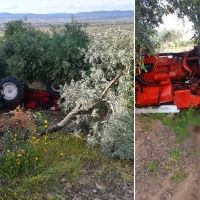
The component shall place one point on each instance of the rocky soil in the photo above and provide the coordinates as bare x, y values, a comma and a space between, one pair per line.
174, 178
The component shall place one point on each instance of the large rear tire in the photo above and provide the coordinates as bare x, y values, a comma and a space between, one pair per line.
13, 91
53, 89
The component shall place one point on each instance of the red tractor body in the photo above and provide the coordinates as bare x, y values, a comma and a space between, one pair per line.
169, 79
39, 99
14, 93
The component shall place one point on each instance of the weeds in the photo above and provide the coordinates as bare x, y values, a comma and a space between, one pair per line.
174, 153
167, 121
153, 167
173, 159
187, 123
148, 128
179, 175
35, 164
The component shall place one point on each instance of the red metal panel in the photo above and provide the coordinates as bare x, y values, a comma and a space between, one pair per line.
184, 99
151, 95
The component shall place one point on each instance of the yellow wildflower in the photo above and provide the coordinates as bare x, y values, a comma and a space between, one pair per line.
45, 137
45, 121
36, 158
45, 126
8, 131
18, 162
8, 150
45, 150
35, 130
19, 155
22, 150
61, 154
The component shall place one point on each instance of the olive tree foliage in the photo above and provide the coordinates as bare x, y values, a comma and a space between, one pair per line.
2, 60
148, 16
33, 54
169, 37
24, 50
64, 58
109, 83
191, 10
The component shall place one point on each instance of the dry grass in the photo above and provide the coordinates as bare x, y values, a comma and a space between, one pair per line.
23, 119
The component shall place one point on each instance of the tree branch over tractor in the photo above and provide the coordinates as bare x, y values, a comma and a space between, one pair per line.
80, 109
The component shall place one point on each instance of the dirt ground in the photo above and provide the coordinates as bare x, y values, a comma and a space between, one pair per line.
174, 178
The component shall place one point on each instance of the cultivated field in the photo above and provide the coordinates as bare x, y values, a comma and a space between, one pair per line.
125, 24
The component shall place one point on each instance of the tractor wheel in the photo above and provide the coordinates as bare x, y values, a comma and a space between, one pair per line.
53, 89
13, 91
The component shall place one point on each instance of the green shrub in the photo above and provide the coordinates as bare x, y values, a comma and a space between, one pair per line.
186, 122
32, 54
118, 137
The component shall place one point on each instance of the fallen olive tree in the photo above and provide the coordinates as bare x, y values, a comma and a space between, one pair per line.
80, 109
101, 102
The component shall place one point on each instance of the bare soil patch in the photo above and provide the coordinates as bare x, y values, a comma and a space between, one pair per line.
176, 178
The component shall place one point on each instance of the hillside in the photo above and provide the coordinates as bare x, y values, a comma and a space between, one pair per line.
96, 21
83, 15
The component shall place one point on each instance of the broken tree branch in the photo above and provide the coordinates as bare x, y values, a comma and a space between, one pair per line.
80, 109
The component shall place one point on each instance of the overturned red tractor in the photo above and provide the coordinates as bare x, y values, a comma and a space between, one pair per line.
169, 79
13, 93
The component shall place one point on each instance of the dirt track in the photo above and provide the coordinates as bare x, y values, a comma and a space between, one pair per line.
153, 143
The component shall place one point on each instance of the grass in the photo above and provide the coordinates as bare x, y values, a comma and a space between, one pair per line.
167, 121
61, 158
182, 123
174, 153
148, 128
153, 167
169, 164
179, 175
173, 160
44, 167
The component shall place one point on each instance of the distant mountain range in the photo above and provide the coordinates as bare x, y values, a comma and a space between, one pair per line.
82, 15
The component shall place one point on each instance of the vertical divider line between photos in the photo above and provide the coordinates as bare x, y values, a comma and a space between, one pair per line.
134, 92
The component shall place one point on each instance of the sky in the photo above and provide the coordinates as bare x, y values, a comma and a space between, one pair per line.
172, 22
63, 6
